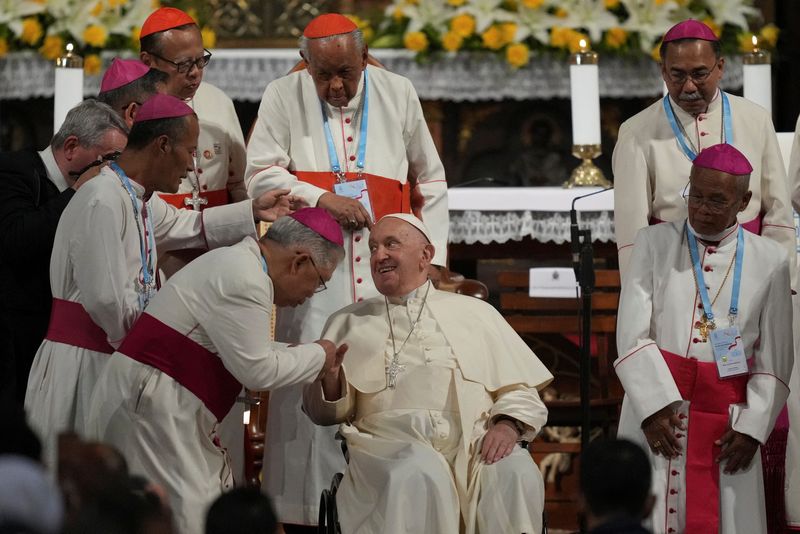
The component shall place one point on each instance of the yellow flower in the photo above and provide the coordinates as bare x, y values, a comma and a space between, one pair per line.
31, 31
412, 2
116, 3
135, 31
456, 3
95, 35
518, 55
192, 12
509, 30
575, 39
97, 9
611, 4
769, 35
533, 4
493, 38
745, 40
52, 47
714, 26
559, 36
451, 41
368, 34
561, 13
655, 53
3, 47
155, 4
463, 25
616, 37
661, 2
416, 41
209, 37
92, 64
398, 14
358, 21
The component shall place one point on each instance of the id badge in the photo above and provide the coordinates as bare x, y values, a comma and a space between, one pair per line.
728, 352
357, 190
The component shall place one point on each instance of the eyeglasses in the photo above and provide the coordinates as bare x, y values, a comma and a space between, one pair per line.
185, 66
321, 287
698, 76
712, 205
111, 156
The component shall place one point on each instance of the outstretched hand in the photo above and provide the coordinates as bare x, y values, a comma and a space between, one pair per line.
271, 205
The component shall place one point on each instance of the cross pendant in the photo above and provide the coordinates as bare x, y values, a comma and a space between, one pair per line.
704, 327
196, 201
392, 370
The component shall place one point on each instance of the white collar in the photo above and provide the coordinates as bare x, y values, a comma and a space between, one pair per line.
716, 238
53, 172
419, 292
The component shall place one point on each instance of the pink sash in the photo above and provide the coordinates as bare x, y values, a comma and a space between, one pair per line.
72, 325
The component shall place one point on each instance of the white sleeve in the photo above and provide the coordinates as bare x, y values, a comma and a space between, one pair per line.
524, 405
236, 152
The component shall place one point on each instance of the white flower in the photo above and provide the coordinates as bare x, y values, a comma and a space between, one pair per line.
535, 22
136, 12
731, 11
591, 15
434, 13
13, 11
486, 12
650, 19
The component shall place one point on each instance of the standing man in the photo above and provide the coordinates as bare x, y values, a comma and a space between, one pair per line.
352, 139
164, 391
655, 148
103, 267
705, 353
127, 84
35, 187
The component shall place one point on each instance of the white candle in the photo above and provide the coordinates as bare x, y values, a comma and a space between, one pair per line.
585, 94
757, 77
68, 89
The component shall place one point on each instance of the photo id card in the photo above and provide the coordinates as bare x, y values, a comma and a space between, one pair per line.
728, 352
357, 190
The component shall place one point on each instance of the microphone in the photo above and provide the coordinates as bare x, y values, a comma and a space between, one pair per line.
481, 180
574, 231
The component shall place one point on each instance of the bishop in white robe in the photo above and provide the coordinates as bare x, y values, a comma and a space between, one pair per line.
162, 395
702, 428
102, 269
288, 149
429, 378
653, 155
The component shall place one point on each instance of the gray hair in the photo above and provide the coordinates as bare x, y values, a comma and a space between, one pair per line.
304, 41
89, 121
288, 232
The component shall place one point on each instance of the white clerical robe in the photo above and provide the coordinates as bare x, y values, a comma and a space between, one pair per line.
223, 302
288, 138
415, 449
96, 263
651, 171
659, 309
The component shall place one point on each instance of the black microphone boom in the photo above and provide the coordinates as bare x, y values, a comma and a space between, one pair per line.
574, 234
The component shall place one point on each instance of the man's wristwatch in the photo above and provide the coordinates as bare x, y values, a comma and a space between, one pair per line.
517, 424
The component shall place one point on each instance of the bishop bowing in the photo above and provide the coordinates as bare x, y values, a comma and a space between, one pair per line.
103, 265
705, 353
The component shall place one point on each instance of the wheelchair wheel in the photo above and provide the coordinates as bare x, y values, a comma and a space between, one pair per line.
328, 519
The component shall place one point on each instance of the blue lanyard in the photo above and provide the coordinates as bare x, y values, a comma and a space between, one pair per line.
147, 263
362, 136
727, 125
698, 271
263, 263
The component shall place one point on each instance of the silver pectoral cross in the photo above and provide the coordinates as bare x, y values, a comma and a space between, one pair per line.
392, 370
196, 201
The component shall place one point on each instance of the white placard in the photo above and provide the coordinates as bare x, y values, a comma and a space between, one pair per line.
553, 282
68, 94
757, 80
584, 87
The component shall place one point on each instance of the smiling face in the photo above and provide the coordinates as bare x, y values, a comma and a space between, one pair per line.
335, 64
399, 257
714, 199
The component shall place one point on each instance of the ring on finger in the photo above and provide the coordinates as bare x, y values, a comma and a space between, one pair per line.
656, 444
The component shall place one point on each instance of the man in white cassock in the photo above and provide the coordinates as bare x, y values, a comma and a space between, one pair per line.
655, 148
339, 119
705, 353
103, 265
205, 334
435, 395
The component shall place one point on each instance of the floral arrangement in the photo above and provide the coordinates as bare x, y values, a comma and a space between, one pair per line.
516, 29
90, 25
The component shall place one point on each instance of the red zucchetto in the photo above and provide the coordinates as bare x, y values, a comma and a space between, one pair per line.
723, 158
328, 25
690, 29
164, 19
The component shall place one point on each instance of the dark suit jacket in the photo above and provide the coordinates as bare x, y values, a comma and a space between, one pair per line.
30, 207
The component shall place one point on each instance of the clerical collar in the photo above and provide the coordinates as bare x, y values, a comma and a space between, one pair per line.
712, 106
715, 238
418, 292
53, 172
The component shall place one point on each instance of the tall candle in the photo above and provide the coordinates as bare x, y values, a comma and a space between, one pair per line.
757, 76
68, 86
584, 87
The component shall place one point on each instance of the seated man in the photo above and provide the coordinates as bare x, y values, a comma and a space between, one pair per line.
438, 391
204, 335
705, 351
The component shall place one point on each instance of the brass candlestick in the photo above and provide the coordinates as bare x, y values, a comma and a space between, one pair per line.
587, 173
70, 60
757, 56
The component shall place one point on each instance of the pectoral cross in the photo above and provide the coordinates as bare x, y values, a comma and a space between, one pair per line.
392, 370
704, 326
196, 201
